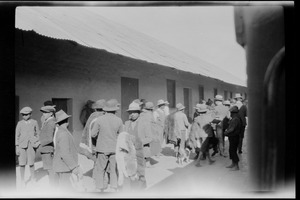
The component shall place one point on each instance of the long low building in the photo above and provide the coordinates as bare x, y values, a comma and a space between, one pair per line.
71, 59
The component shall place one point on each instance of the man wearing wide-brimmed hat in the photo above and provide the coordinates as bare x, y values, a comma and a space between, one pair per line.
220, 112
167, 109
27, 133
233, 134
65, 159
239, 100
159, 118
88, 143
182, 122
243, 115
131, 127
46, 139
145, 130
107, 128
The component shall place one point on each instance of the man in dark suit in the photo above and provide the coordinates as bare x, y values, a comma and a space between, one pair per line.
243, 115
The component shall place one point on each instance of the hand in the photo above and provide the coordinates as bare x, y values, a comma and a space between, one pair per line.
78, 171
17, 150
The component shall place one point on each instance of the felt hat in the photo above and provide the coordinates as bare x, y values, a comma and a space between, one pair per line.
99, 104
134, 106
161, 102
219, 97
234, 109
48, 109
49, 103
149, 105
26, 110
179, 106
61, 115
111, 105
238, 95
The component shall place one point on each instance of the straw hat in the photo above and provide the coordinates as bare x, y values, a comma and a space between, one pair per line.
48, 109
201, 108
26, 110
219, 98
61, 115
149, 105
161, 102
111, 105
167, 103
179, 106
100, 104
134, 107
238, 95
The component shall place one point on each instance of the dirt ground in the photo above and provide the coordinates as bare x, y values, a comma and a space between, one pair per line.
166, 178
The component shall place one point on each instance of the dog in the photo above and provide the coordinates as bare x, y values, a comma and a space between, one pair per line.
183, 155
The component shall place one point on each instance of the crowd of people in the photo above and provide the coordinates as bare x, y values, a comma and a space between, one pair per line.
122, 151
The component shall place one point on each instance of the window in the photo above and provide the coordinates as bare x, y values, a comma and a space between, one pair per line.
171, 93
201, 93
64, 104
230, 95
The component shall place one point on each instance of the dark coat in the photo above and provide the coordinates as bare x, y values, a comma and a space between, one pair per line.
243, 114
46, 136
235, 126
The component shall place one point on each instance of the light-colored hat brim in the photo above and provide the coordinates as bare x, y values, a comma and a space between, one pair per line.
65, 117
47, 109
205, 110
111, 109
25, 112
137, 109
181, 108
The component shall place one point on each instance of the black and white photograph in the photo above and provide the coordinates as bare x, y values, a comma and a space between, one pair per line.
177, 99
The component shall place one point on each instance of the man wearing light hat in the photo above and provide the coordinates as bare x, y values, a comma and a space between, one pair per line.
145, 130
182, 122
65, 159
167, 109
239, 100
159, 118
27, 133
107, 128
220, 112
131, 127
88, 143
46, 139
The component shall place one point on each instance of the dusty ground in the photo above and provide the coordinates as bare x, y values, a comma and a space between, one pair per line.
166, 179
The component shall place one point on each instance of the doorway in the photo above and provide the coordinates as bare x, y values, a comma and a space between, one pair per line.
129, 92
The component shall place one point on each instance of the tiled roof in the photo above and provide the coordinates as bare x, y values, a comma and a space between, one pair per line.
90, 29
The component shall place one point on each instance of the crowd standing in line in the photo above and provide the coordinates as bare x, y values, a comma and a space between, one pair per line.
122, 151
